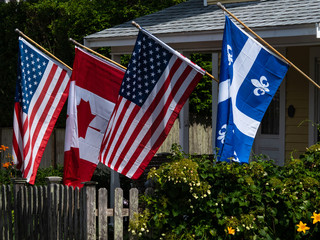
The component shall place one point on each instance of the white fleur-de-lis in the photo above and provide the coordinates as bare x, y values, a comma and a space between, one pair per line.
222, 133
230, 56
261, 86
235, 157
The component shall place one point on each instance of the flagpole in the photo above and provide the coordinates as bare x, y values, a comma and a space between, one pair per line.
268, 45
96, 53
42, 48
208, 74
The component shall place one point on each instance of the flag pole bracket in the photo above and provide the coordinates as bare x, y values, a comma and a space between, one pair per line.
136, 25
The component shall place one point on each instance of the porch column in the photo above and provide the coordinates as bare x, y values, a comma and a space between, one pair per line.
184, 123
215, 86
115, 177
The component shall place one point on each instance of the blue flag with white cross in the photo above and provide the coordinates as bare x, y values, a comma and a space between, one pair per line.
249, 77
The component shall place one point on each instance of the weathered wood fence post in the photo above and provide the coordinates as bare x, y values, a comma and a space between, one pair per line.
89, 208
117, 211
133, 207
18, 183
52, 207
103, 213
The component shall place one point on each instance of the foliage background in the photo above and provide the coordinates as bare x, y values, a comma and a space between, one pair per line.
51, 23
192, 198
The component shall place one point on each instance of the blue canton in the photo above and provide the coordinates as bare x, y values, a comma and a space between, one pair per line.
147, 63
32, 66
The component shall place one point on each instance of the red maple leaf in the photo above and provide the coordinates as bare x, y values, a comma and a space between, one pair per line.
84, 117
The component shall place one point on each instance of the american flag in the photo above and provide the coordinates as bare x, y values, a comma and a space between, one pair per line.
42, 89
155, 87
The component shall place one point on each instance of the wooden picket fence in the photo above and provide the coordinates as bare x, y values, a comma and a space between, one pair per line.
56, 211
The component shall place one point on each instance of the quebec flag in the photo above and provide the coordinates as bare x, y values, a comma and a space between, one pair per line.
249, 77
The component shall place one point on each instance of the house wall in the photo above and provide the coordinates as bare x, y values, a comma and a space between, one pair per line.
297, 94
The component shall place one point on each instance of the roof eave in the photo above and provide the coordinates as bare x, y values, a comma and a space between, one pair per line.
201, 36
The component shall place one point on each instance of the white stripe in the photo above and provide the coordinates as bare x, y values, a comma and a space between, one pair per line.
142, 111
161, 127
71, 124
241, 68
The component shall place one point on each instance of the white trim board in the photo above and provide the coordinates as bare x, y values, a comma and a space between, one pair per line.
314, 53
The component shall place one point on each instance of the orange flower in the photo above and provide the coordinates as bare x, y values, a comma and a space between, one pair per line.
316, 217
6, 165
302, 227
231, 230
3, 147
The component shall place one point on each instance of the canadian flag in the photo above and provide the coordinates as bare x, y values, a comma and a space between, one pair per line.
94, 89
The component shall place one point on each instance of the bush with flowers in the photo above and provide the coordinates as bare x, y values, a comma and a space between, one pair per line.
198, 198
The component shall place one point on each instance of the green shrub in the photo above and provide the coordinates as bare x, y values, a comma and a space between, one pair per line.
199, 198
42, 173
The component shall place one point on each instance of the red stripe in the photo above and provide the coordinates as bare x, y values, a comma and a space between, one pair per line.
43, 117
169, 125
26, 144
158, 120
147, 114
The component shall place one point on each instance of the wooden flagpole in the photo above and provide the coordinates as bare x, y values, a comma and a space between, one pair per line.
208, 74
268, 45
42, 48
96, 53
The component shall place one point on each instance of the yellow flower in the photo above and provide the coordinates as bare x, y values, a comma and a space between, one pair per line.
231, 230
6, 165
302, 227
316, 217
